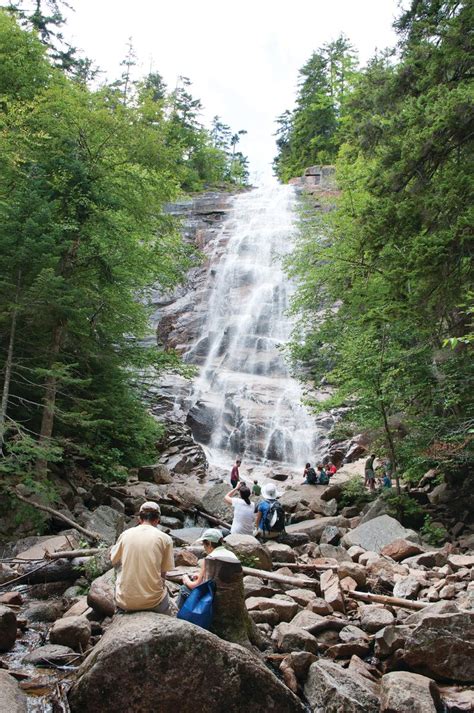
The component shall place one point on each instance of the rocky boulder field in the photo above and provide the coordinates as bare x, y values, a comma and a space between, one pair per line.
351, 611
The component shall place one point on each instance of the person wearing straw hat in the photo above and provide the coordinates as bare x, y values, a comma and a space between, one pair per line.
144, 554
270, 516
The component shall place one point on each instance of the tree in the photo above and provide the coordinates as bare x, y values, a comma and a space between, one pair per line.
83, 236
392, 267
311, 133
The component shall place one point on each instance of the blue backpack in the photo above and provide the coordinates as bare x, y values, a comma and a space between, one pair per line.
199, 606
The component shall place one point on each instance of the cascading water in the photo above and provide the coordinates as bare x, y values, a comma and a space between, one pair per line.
245, 392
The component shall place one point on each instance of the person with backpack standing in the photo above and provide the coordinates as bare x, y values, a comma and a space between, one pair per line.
270, 516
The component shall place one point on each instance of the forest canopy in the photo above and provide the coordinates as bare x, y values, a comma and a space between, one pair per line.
385, 291
86, 169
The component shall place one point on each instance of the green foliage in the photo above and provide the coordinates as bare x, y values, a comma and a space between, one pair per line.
311, 134
433, 534
248, 560
84, 178
403, 508
341, 431
355, 493
385, 280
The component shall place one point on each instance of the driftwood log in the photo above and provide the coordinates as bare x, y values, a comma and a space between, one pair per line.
283, 578
383, 599
304, 567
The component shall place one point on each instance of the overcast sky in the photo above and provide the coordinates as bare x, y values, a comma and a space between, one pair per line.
243, 57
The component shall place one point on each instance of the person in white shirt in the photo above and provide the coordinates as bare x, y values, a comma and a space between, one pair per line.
244, 514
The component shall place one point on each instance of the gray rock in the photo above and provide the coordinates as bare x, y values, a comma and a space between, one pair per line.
314, 528
375, 617
186, 535
434, 558
7, 628
389, 639
148, 654
323, 507
332, 689
213, 502
44, 611
407, 587
51, 653
157, 473
442, 645
73, 631
106, 521
7, 573
101, 595
280, 553
286, 609
354, 570
12, 698
288, 637
330, 535
377, 533
404, 692
250, 551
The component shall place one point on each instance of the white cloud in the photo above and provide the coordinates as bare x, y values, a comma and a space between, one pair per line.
243, 58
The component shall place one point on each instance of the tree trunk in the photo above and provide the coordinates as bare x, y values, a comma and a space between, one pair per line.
8, 367
49, 400
231, 620
391, 447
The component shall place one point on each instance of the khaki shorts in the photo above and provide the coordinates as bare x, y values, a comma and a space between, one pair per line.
164, 607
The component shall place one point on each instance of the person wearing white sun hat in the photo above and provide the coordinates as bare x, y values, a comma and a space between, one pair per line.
270, 516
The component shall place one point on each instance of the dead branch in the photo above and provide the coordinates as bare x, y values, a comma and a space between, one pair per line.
45, 508
383, 599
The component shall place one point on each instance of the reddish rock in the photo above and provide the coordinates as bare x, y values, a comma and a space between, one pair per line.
13, 598
400, 549
185, 558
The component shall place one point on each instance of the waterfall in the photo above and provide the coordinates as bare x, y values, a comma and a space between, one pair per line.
245, 401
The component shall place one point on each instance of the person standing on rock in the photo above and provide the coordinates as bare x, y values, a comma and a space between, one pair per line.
234, 474
213, 543
256, 489
144, 555
243, 521
370, 472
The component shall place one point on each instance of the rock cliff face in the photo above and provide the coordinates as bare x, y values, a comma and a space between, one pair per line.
230, 321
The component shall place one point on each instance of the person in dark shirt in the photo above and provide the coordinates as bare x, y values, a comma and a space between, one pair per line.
234, 475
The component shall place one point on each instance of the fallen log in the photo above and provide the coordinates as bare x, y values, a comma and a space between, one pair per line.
305, 567
284, 579
195, 511
383, 599
60, 570
72, 554
45, 508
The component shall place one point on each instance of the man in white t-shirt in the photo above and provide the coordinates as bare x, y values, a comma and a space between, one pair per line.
239, 499
144, 555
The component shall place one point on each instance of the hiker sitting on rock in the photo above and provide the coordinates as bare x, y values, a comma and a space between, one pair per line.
323, 478
214, 548
242, 524
309, 475
270, 518
144, 555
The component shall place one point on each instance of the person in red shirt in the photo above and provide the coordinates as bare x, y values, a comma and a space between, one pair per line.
331, 469
234, 475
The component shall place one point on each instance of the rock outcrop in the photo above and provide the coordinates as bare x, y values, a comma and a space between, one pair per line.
164, 660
